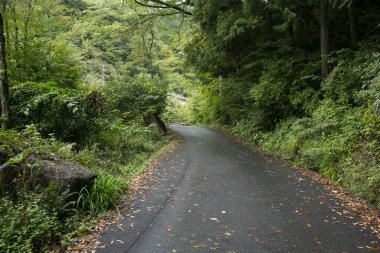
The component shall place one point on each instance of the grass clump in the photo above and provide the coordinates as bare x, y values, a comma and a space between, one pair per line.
102, 194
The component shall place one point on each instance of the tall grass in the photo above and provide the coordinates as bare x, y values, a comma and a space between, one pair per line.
102, 194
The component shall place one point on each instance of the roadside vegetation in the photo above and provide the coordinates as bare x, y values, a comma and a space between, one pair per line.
88, 82
269, 76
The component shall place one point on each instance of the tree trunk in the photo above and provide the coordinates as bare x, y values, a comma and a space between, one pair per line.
27, 20
351, 19
324, 37
6, 23
12, 9
159, 123
4, 89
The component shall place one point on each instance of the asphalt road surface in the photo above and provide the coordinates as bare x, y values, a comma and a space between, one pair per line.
216, 195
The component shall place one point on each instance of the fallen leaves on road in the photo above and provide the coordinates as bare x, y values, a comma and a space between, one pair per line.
118, 241
275, 230
261, 241
120, 227
369, 216
200, 246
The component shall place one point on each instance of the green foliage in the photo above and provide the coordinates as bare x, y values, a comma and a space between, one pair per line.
137, 98
247, 131
34, 219
102, 195
26, 225
35, 49
19, 158
177, 109
121, 152
364, 180
85, 77
124, 142
69, 115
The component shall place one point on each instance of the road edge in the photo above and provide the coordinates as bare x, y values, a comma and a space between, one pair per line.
90, 242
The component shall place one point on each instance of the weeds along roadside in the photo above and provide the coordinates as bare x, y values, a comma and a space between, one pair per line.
338, 142
38, 219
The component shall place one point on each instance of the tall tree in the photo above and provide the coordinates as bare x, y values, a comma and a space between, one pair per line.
4, 89
324, 16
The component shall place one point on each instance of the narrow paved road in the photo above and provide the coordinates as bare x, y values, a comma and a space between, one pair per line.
216, 195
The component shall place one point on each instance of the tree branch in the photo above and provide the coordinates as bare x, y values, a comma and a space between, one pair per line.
164, 5
151, 6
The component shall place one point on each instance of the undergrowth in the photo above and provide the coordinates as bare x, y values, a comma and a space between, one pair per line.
33, 219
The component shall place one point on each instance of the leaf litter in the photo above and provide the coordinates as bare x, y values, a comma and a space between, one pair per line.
369, 217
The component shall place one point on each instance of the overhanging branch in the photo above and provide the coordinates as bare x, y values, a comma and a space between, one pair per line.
151, 6
163, 5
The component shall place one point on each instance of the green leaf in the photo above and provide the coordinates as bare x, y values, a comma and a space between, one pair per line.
19, 158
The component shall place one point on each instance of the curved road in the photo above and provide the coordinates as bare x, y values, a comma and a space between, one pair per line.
216, 195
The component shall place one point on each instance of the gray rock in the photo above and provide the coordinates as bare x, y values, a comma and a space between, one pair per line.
67, 174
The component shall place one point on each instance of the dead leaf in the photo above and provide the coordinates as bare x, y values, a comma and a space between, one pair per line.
261, 241
275, 230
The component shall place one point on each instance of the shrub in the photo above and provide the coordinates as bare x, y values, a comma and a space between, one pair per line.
26, 225
134, 99
71, 115
344, 80
124, 142
247, 130
363, 179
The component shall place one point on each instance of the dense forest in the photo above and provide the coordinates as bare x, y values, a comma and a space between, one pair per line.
300, 79
93, 82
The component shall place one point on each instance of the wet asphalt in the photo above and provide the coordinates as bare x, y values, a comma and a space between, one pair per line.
214, 194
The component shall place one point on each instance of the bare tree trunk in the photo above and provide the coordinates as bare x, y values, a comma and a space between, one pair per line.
351, 19
4, 89
324, 37
6, 23
159, 123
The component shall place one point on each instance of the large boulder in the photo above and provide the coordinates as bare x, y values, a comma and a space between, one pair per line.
67, 174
